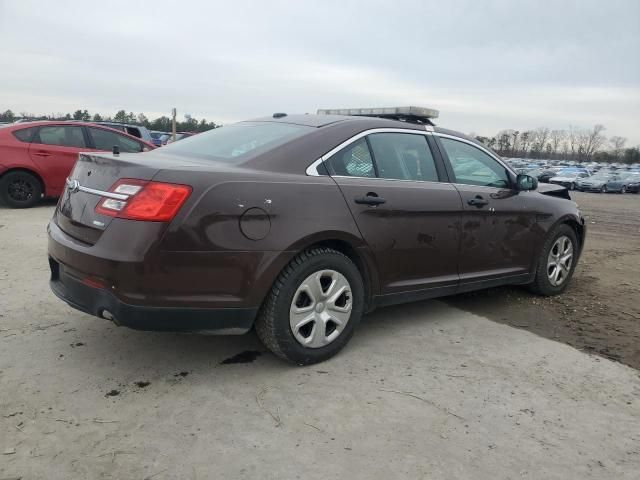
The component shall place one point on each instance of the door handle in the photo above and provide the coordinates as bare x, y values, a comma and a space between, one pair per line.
370, 199
478, 201
42, 154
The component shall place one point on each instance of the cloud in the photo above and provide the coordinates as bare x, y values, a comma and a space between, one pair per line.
486, 66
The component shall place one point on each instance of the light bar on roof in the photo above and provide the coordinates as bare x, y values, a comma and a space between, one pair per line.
372, 112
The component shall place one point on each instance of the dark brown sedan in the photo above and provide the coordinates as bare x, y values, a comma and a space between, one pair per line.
298, 225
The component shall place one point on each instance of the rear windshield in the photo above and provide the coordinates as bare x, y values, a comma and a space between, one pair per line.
237, 142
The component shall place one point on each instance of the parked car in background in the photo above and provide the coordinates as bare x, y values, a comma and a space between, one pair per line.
595, 183
138, 131
37, 157
542, 174
180, 136
160, 139
623, 182
299, 224
569, 177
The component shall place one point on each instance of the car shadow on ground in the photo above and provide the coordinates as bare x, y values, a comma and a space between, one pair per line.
118, 351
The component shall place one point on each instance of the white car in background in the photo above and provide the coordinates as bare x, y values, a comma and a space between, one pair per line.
569, 177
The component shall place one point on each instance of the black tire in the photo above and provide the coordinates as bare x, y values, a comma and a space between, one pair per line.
603, 189
20, 189
623, 189
272, 324
541, 284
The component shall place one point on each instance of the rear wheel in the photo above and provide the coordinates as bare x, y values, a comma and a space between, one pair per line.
603, 189
20, 189
557, 262
313, 307
623, 189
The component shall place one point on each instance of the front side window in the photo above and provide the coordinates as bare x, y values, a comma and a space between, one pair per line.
403, 156
62, 136
106, 140
353, 161
471, 166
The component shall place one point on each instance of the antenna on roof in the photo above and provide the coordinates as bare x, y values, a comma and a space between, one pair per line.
419, 115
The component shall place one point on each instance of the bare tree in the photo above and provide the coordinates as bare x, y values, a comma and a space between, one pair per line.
573, 138
594, 139
617, 145
556, 138
540, 136
525, 141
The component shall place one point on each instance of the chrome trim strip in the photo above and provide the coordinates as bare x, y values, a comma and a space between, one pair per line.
115, 196
312, 170
74, 186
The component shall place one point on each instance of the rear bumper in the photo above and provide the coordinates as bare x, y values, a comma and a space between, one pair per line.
103, 304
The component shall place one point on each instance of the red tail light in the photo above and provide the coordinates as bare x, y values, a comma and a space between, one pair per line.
147, 201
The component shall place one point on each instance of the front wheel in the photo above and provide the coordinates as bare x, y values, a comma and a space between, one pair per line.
623, 189
557, 262
313, 307
20, 189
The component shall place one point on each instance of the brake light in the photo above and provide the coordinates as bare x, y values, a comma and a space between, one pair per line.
146, 201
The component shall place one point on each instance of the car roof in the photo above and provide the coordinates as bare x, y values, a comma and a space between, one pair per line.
75, 123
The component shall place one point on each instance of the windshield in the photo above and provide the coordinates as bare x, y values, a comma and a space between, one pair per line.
239, 141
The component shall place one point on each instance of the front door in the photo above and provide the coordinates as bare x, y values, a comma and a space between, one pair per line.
498, 222
407, 217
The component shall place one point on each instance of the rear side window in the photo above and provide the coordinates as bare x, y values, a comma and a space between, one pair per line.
62, 135
239, 141
106, 140
134, 131
403, 156
353, 161
25, 134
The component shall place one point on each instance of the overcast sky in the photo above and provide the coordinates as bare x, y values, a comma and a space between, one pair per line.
485, 65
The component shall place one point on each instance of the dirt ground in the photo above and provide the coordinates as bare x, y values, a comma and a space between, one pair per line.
600, 311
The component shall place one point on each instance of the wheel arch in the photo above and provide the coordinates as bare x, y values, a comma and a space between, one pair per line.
351, 246
30, 171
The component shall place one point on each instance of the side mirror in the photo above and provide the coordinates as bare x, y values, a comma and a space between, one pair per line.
526, 182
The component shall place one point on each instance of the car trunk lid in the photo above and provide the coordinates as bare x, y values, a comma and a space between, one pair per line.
92, 175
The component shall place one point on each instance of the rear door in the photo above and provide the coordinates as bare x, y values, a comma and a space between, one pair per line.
498, 222
391, 183
55, 149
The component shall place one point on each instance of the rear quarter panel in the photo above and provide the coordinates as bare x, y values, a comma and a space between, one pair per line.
255, 223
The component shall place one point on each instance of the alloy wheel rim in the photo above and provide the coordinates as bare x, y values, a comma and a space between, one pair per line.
20, 190
560, 260
320, 308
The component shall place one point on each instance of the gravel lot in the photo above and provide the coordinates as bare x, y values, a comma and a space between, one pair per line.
426, 390
600, 311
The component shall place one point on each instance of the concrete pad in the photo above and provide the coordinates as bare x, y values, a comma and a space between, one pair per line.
422, 391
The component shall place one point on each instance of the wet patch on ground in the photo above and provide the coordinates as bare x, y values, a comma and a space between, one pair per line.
247, 356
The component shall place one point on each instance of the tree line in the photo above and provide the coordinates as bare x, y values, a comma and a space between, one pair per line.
582, 145
163, 123
578, 144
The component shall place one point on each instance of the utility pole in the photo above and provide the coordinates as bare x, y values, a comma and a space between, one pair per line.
173, 124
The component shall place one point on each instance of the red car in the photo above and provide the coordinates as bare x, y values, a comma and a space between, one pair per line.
37, 157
